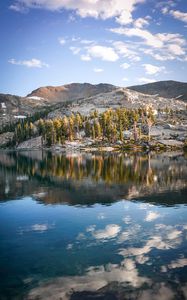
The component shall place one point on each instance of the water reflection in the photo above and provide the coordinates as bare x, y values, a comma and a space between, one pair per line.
148, 261
93, 226
88, 179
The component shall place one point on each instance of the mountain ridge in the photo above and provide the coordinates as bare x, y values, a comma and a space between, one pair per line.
72, 91
166, 89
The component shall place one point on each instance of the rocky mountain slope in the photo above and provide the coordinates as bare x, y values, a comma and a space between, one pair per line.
86, 97
166, 89
71, 92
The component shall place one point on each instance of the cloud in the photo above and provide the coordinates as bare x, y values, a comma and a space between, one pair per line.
125, 50
98, 70
33, 63
87, 42
179, 263
62, 41
141, 22
102, 52
161, 46
127, 220
94, 279
120, 10
152, 70
110, 231
125, 66
75, 50
85, 57
40, 227
148, 37
145, 80
125, 79
179, 15
151, 216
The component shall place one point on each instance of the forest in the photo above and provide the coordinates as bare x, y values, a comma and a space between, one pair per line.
109, 125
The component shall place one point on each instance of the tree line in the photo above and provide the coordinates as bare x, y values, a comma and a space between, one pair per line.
109, 125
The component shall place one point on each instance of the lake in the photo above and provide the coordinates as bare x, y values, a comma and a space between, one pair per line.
93, 226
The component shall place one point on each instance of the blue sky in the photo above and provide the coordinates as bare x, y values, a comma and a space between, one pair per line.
123, 42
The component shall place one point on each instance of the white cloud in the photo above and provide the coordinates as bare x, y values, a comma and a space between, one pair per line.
125, 50
141, 22
75, 50
85, 57
33, 63
125, 79
87, 42
94, 279
127, 220
103, 52
145, 80
176, 49
152, 70
121, 10
179, 15
110, 231
151, 216
148, 37
125, 66
124, 18
40, 227
62, 41
161, 46
164, 10
179, 263
98, 70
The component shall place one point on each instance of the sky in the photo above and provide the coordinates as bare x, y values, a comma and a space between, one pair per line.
122, 42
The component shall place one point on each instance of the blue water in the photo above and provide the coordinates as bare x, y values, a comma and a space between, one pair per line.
124, 238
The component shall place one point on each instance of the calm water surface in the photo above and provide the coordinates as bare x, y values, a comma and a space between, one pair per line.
107, 226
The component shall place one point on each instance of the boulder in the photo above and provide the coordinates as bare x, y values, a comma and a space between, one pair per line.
171, 143
5, 138
34, 143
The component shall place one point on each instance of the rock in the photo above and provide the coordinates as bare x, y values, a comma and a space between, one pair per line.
119, 143
6, 138
35, 143
127, 134
169, 126
171, 143
182, 128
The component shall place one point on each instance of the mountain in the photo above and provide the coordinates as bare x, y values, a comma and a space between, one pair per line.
13, 107
86, 97
166, 89
71, 92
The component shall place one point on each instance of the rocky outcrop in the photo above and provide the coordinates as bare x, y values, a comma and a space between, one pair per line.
35, 143
5, 139
171, 143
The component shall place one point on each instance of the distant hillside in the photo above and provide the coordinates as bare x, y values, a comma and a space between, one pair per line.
166, 89
86, 97
71, 92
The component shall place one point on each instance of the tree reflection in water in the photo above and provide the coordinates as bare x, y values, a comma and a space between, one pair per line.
68, 178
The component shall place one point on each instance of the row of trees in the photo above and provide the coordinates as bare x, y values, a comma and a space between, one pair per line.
109, 125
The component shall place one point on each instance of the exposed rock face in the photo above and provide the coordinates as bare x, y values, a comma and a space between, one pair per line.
71, 92
13, 108
166, 89
123, 97
5, 138
172, 143
35, 143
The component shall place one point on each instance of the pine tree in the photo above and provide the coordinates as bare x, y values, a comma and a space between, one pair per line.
87, 128
97, 128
